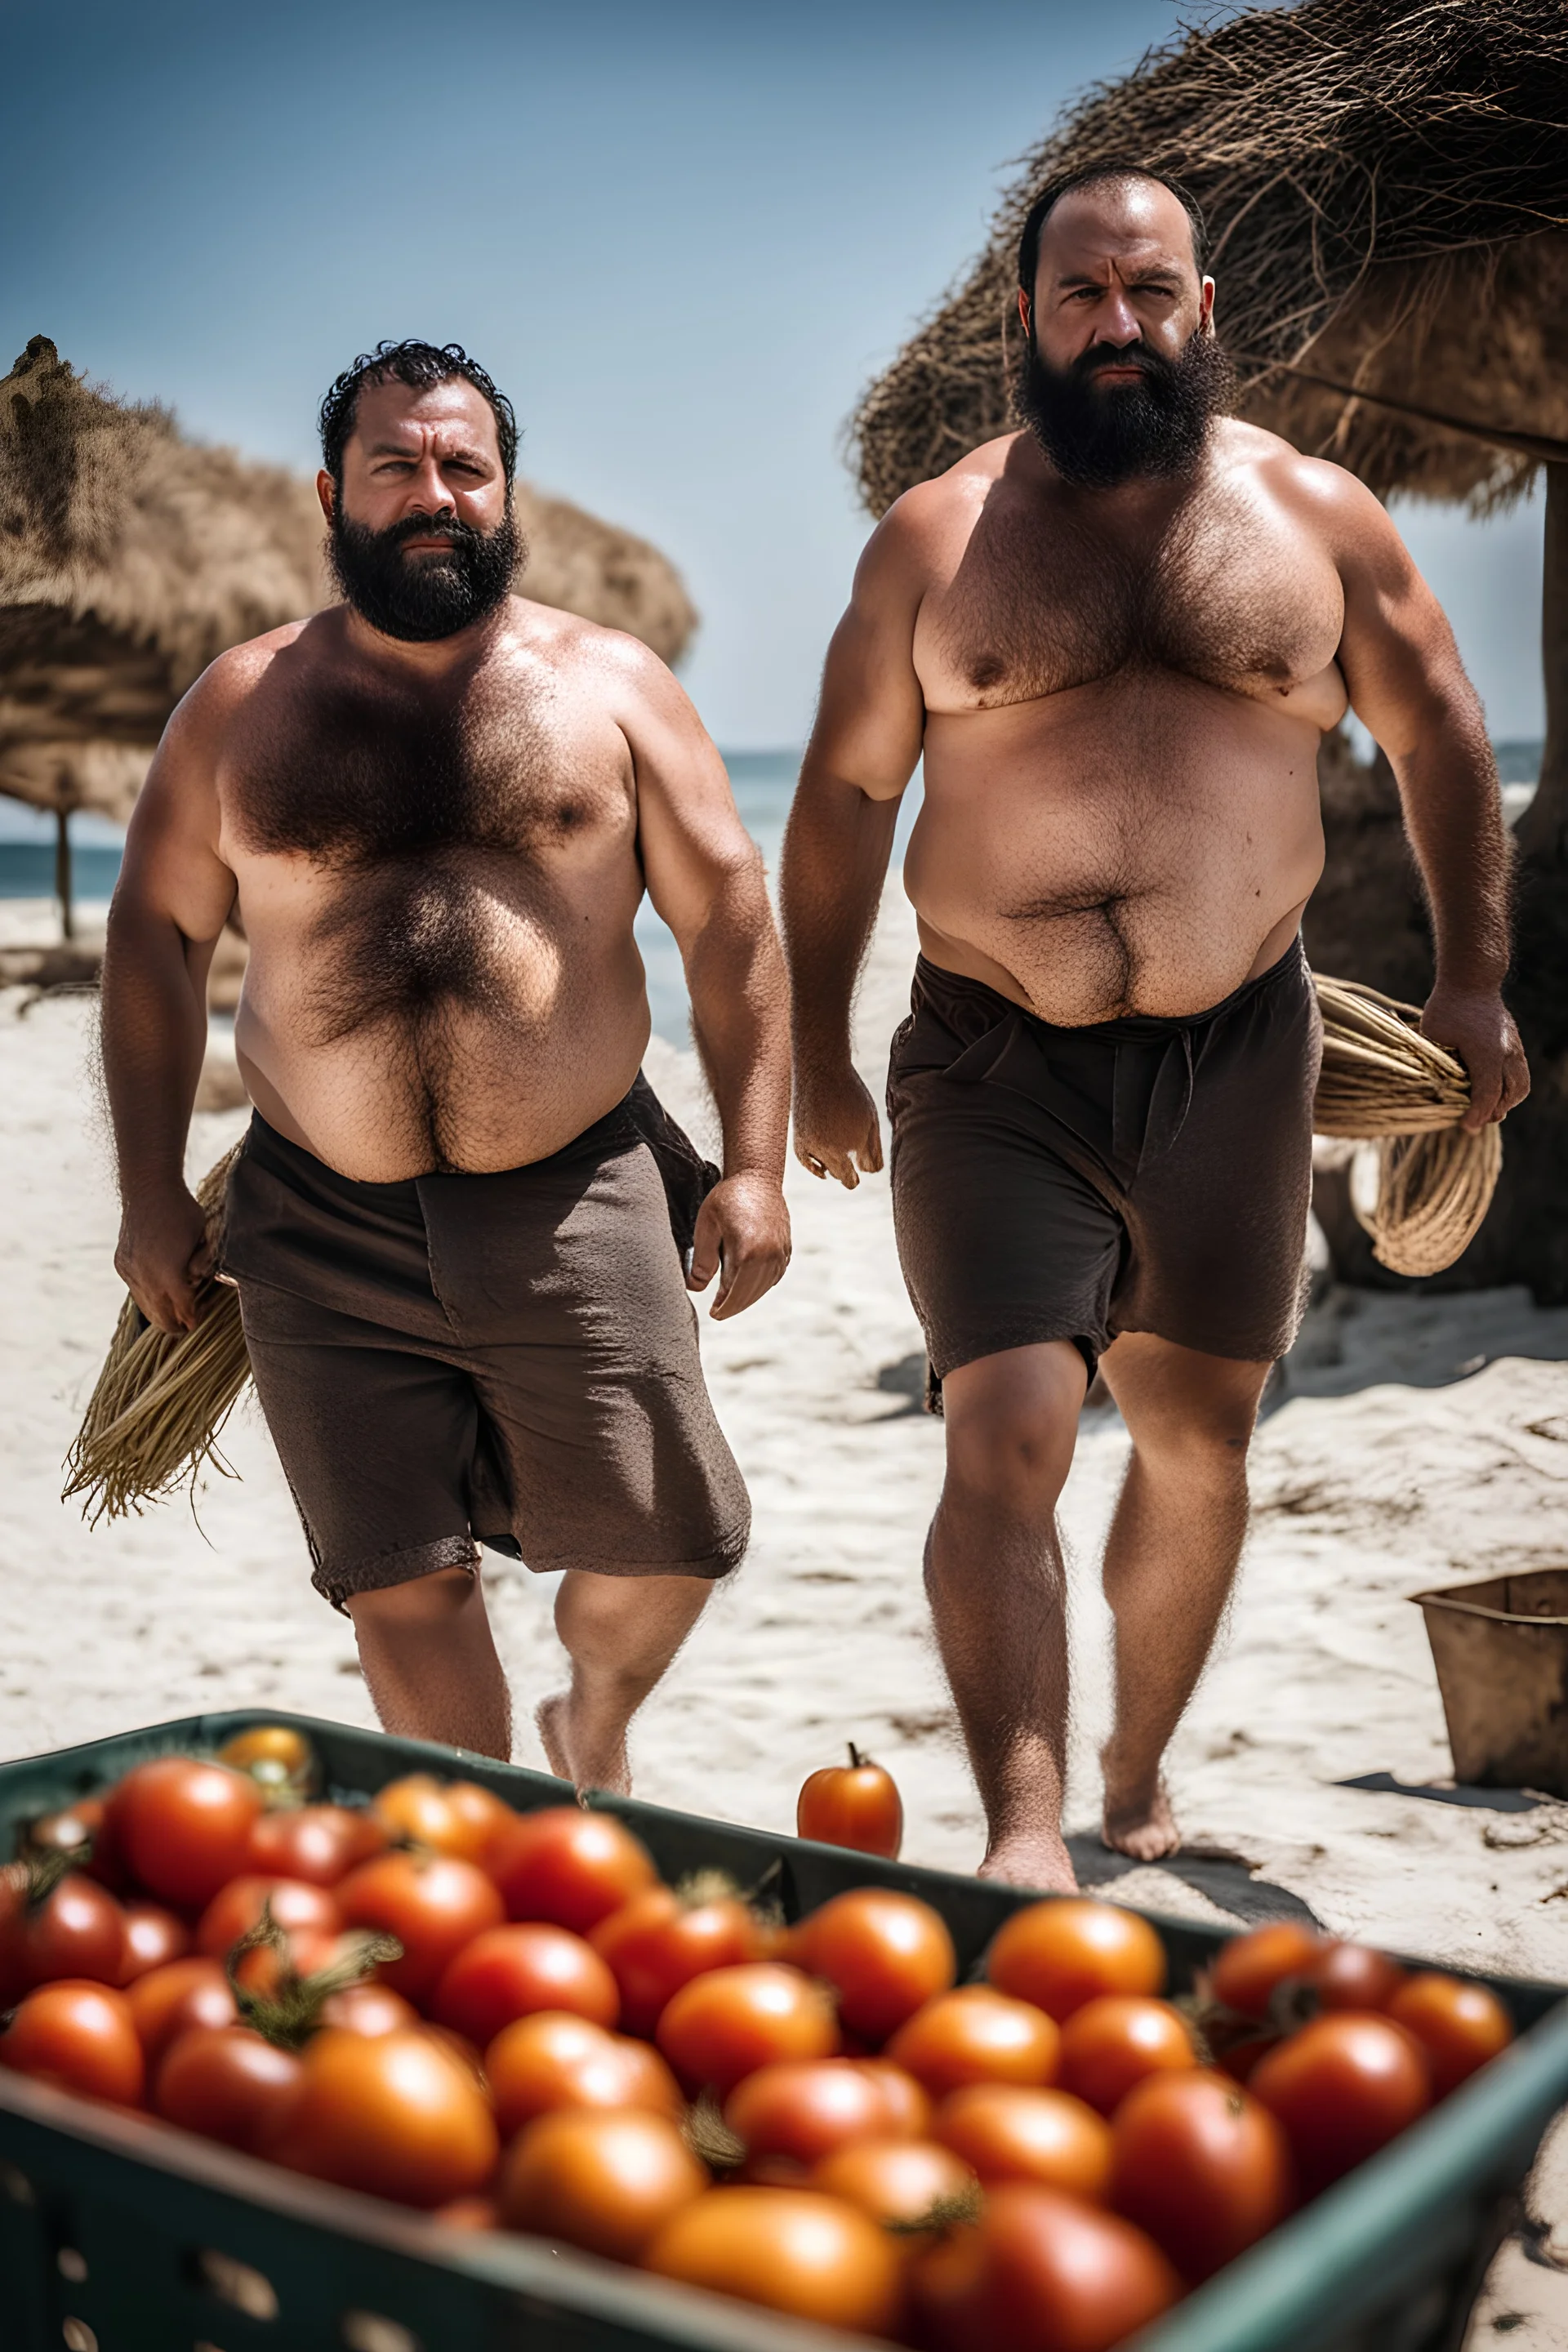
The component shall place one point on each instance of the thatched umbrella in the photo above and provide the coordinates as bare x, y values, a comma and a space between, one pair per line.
130, 557
1387, 186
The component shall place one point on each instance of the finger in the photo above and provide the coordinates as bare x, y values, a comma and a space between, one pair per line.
706, 1251
752, 1280
871, 1151
202, 1261
809, 1160
1485, 1090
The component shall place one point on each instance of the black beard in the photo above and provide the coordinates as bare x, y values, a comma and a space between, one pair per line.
421, 598
1099, 438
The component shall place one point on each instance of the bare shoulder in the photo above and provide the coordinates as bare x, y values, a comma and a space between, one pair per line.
220, 696
1324, 496
609, 666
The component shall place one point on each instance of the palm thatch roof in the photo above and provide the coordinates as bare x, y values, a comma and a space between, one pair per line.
131, 557
1386, 185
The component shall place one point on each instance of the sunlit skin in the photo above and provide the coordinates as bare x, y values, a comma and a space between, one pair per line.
1118, 695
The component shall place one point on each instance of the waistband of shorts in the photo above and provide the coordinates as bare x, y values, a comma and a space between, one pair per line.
291, 1162
936, 982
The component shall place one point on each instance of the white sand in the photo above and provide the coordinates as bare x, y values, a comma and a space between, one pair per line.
1372, 1481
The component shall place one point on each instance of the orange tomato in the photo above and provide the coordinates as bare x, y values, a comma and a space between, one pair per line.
1004, 2133
395, 2115
320, 1844
1460, 2026
473, 2213
453, 1817
228, 2082
182, 1827
168, 2000
1069, 1949
1113, 2042
909, 2100
513, 1971
570, 1866
975, 2035
722, 2026
79, 2036
1246, 1972
793, 2250
662, 1938
275, 1754
855, 1804
801, 2110
1042, 2272
556, 2060
899, 2183
433, 1903
1343, 2087
236, 1908
604, 2181
1201, 2166
884, 1954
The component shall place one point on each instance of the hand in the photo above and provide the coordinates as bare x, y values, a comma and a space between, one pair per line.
743, 1235
163, 1257
835, 1124
1476, 1025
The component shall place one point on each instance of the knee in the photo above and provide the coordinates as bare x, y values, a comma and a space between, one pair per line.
1209, 1439
1013, 1453
425, 1605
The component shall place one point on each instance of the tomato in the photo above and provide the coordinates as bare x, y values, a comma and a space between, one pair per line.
431, 1903
802, 2110
1246, 1970
229, 2083
79, 2036
267, 1968
900, 2183
169, 2000
276, 1755
78, 1930
71, 1831
369, 2007
184, 1828
1343, 2087
856, 1805
1113, 2042
661, 1939
570, 1866
508, 1972
1069, 1949
393, 2114
555, 2060
791, 2249
319, 1844
1460, 2026
1352, 1976
153, 1937
236, 1909
468, 2213
975, 2035
1043, 2273
884, 1954
724, 2025
1005, 2133
909, 2102
1201, 2166
454, 1817
600, 2181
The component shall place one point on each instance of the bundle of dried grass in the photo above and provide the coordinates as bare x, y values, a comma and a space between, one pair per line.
161, 1397
1382, 1082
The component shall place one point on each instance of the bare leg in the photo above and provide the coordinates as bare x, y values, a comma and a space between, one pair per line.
994, 1577
1170, 1559
430, 1663
621, 1633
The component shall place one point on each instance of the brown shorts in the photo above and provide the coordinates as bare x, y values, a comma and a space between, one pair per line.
1132, 1175
506, 1359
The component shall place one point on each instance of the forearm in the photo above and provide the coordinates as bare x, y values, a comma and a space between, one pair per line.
835, 861
155, 1032
739, 1023
1453, 816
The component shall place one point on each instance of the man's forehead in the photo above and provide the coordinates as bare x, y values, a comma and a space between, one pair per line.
414, 414
1120, 222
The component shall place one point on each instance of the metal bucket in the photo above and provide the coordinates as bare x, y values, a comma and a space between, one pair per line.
1502, 1653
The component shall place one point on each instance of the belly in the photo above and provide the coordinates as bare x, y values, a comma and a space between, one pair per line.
470, 1014
1137, 848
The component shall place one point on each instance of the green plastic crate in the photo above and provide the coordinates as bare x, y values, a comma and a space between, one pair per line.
118, 2235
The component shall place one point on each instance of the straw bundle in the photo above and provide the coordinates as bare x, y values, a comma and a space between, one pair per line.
1382, 1082
162, 1397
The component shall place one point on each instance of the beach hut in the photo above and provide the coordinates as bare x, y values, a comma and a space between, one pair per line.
130, 557
1387, 190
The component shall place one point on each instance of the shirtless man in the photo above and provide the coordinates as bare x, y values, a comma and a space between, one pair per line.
1116, 638
459, 1222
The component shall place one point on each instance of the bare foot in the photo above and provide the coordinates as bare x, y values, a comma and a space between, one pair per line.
1144, 1830
574, 1752
1030, 1859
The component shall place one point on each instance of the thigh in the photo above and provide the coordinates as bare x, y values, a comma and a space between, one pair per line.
1170, 1395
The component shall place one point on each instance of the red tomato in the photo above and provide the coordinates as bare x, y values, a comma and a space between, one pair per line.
232, 1913
602, 2181
509, 1972
394, 2114
1343, 2087
169, 2000
975, 2035
1044, 2274
433, 1904
804, 2109
1245, 1971
319, 1844
900, 2183
884, 1954
265, 1969
1005, 2133
228, 2082
791, 2249
724, 2025
369, 2007
910, 2102
570, 1866
1352, 1976
153, 1937
662, 1938
1069, 1949
78, 1930
555, 2060
856, 1805
1460, 2026
1113, 2042
79, 2036
1201, 2166
184, 1827
68, 1831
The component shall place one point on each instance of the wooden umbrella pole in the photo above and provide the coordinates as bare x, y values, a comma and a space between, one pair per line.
63, 891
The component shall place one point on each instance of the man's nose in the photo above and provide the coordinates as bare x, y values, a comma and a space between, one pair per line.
1117, 323
424, 492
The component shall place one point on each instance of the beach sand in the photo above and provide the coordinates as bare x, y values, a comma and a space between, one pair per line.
1420, 1441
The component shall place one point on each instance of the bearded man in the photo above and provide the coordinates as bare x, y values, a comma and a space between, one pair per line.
1117, 637
461, 1227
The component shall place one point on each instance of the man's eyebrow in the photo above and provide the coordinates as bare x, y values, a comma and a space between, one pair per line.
404, 450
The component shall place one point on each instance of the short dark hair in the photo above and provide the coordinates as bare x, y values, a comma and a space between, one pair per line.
418, 365
1089, 176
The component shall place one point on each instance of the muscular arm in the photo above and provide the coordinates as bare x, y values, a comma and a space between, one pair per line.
1408, 686
172, 897
862, 753
705, 878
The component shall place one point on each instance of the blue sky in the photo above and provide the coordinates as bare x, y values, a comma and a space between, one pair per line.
683, 238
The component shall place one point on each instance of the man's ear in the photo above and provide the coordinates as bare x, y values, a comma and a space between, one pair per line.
327, 491
1024, 313
1205, 306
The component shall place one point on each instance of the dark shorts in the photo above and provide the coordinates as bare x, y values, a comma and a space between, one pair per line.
508, 1359
1133, 1175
